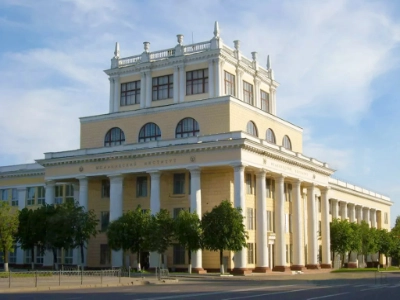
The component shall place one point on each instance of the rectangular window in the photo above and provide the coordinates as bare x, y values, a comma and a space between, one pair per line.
287, 253
177, 211
250, 253
27, 256
69, 193
179, 254
287, 223
291, 253
249, 184
59, 191
105, 254
4, 195
197, 82
30, 196
229, 84
14, 197
179, 183
130, 93
68, 256
141, 186
104, 220
247, 92
264, 101
12, 258
41, 192
59, 255
250, 218
163, 87
270, 188
39, 255
105, 188
269, 220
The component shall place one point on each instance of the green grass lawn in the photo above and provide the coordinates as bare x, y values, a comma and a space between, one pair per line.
25, 274
346, 270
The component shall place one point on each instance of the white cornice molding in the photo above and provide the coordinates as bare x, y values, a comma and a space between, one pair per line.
360, 194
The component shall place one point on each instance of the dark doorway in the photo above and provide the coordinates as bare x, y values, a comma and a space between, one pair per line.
145, 260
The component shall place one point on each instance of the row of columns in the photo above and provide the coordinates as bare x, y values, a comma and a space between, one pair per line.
353, 212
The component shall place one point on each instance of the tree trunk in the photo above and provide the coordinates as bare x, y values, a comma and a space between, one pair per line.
190, 261
33, 257
82, 255
348, 257
55, 259
221, 261
342, 259
5, 260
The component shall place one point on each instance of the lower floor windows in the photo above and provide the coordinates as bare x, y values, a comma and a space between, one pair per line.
105, 254
179, 183
179, 254
250, 253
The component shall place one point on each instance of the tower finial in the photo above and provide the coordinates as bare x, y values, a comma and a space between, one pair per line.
116, 52
268, 63
216, 29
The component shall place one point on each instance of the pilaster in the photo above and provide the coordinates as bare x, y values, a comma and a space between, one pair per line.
280, 246
312, 262
298, 246
325, 234
116, 201
50, 192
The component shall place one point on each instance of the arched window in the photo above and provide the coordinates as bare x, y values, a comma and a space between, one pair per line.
252, 129
115, 136
149, 132
187, 127
286, 143
271, 136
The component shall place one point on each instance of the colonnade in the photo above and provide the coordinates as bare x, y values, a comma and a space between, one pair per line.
338, 208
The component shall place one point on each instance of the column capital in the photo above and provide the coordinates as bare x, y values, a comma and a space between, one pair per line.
262, 172
50, 182
351, 205
116, 177
82, 178
372, 209
334, 200
358, 206
238, 166
324, 189
279, 177
154, 174
21, 188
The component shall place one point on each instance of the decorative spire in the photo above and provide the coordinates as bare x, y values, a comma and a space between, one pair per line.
116, 52
268, 63
216, 29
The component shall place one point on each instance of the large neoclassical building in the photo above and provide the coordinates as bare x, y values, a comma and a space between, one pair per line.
188, 127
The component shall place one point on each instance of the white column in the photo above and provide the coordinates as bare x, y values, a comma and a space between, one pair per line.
335, 213
211, 82
352, 212
116, 202
240, 201
219, 89
312, 228
154, 208
359, 213
117, 92
273, 101
325, 234
256, 93
195, 206
143, 90
296, 225
261, 210
280, 243
182, 83
112, 87
343, 210
366, 214
176, 84
149, 86
83, 192
50, 192
373, 217
239, 84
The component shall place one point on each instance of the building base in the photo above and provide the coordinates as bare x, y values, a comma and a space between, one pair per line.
297, 268
281, 269
312, 267
352, 265
261, 270
326, 266
199, 271
241, 271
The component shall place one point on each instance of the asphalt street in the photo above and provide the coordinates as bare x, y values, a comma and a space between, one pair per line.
235, 288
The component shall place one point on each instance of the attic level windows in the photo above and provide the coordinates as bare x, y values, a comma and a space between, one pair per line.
286, 143
163, 87
229, 80
187, 127
264, 101
149, 132
271, 136
252, 129
130, 93
197, 82
115, 136
247, 92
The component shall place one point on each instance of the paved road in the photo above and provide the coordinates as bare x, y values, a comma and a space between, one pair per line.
234, 288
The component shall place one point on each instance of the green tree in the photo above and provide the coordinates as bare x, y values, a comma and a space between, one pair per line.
223, 229
8, 230
161, 232
368, 240
30, 231
355, 240
129, 232
188, 233
385, 242
341, 237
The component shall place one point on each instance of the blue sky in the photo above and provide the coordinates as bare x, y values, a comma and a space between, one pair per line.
337, 62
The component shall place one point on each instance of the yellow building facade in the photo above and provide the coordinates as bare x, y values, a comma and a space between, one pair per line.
188, 127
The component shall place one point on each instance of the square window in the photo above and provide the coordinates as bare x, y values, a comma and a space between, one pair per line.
163, 87
130, 93
197, 82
